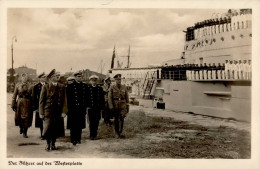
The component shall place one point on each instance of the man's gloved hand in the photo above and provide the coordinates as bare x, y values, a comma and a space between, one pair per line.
63, 115
41, 116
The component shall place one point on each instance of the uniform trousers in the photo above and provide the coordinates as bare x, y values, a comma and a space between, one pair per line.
94, 116
209, 74
227, 74
197, 75
235, 74
75, 134
214, 75
119, 121
50, 130
219, 74
201, 74
205, 74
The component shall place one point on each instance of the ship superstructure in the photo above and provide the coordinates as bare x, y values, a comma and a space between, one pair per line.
212, 76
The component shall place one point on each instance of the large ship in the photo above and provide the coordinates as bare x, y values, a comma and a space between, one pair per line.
212, 76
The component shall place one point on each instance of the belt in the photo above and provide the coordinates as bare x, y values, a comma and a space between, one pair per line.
118, 99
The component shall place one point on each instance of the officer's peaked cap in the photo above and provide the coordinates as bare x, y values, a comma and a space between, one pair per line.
117, 76
24, 74
42, 75
107, 78
70, 78
78, 73
53, 73
93, 77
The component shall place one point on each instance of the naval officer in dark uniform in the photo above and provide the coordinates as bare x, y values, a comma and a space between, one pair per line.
95, 104
118, 101
52, 108
36, 91
76, 100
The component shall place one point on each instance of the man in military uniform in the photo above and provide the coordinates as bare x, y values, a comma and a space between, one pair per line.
95, 104
22, 105
107, 114
118, 101
36, 91
52, 108
76, 100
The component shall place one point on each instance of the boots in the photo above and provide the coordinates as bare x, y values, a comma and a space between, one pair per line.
53, 147
42, 138
48, 147
21, 130
25, 133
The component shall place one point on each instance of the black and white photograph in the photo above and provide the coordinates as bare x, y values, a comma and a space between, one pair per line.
120, 83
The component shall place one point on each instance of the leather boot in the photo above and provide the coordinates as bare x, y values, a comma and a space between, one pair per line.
21, 130
48, 147
53, 147
25, 133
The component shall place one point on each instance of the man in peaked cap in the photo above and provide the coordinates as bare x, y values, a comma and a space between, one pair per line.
52, 108
22, 105
118, 101
107, 114
95, 104
36, 91
71, 79
76, 99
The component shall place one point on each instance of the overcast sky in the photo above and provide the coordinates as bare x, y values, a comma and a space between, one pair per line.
76, 39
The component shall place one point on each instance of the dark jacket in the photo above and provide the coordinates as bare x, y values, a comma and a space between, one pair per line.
76, 101
36, 91
95, 97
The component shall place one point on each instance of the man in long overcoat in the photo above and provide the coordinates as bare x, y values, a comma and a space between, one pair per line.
118, 101
76, 99
22, 105
52, 107
36, 91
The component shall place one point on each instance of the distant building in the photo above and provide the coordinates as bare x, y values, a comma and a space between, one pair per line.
23, 69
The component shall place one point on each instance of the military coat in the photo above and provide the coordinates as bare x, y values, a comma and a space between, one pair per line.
52, 104
36, 91
22, 105
76, 100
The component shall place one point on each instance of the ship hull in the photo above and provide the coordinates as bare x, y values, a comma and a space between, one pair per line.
223, 99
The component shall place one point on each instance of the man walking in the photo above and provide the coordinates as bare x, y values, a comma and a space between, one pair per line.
118, 101
107, 114
36, 91
76, 99
95, 104
52, 107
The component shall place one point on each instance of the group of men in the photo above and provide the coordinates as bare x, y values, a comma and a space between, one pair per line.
232, 70
52, 101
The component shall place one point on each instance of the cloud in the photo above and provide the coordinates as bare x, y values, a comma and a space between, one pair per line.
81, 38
